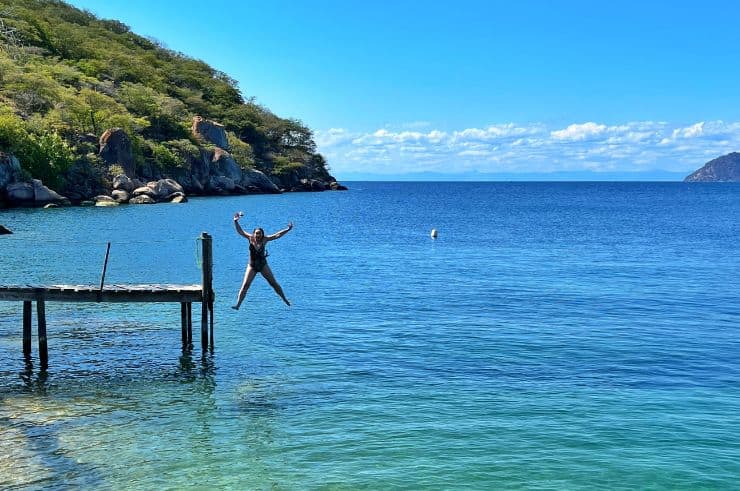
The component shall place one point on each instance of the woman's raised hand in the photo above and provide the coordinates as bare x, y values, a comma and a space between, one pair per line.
290, 225
237, 216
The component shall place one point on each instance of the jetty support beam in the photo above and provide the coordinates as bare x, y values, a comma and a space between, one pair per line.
41, 319
207, 242
27, 327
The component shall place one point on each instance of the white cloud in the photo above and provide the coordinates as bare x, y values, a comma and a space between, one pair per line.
577, 132
511, 147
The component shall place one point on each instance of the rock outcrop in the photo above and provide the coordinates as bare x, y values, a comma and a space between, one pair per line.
116, 149
253, 179
210, 132
10, 169
33, 193
721, 169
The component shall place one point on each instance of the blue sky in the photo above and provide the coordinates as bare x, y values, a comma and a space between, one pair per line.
392, 88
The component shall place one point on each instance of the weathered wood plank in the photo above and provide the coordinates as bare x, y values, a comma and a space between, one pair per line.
119, 294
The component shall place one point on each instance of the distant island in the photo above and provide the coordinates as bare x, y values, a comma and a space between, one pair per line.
722, 169
93, 113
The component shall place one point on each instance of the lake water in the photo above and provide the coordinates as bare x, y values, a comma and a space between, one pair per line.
554, 336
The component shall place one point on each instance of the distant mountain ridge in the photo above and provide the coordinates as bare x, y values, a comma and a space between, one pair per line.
722, 169
561, 176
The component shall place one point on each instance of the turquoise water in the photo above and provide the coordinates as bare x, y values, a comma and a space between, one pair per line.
554, 336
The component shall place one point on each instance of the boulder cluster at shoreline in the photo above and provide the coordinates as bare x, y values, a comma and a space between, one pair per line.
209, 170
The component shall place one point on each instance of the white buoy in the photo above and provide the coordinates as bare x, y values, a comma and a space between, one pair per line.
434, 233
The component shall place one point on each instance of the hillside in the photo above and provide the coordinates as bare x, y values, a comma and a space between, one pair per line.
67, 77
722, 169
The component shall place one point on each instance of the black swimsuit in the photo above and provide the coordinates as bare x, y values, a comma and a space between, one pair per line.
257, 257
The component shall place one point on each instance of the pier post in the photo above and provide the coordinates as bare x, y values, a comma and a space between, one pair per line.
184, 323
207, 242
190, 323
41, 319
27, 328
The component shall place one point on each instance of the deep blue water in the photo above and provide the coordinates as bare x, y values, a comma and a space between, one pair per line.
554, 336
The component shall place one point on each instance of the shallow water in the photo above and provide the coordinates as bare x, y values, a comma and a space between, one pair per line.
555, 335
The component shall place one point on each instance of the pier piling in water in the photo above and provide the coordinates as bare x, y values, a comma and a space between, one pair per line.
27, 327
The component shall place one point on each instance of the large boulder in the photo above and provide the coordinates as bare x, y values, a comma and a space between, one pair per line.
144, 191
120, 195
226, 165
176, 198
116, 148
32, 193
198, 171
252, 178
221, 185
124, 183
44, 195
20, 193
164, 188
10, 169
210, 131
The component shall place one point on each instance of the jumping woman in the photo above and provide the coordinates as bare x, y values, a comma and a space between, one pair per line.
258, 259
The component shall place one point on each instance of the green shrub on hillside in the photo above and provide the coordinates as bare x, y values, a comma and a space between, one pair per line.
284, 167
70, 74
242, 152
45, 156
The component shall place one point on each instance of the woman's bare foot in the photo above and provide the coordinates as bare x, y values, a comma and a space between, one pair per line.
235, 307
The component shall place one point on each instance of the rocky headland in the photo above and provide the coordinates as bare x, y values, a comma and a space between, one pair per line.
92, 113
207, 170
722, 169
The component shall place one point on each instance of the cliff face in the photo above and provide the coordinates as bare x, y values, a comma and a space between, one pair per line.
721, 169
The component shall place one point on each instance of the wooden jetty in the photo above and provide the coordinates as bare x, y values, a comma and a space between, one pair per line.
186, 295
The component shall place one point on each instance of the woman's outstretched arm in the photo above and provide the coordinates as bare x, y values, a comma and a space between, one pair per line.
279, 234
239, 228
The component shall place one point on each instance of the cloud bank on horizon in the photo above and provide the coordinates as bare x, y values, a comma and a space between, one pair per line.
529, 148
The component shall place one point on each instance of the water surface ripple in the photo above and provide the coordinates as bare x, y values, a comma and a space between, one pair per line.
554, 336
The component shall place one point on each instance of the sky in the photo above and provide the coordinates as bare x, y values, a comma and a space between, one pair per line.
475, 88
